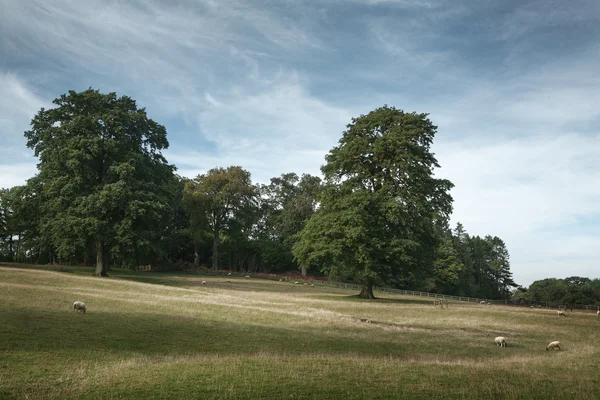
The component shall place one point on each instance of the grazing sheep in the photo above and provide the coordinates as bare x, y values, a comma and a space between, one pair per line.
296, 282
247, 276
530, 306
500, 341
598, 313
553, 345
229, 274
312, 285
482, 302
561, 313
489, 304
204, 282
79, 306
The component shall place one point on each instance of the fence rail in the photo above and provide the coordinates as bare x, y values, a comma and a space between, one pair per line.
476, 300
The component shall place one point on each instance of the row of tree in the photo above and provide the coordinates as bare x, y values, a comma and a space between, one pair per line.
105, 195
572, 291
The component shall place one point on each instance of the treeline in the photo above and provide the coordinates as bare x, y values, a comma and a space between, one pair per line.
552, 292
105, 196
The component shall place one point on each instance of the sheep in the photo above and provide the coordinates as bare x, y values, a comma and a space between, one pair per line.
247, 276
530, 306
204, 282
500, 341
296, 282
489, 304
561, 313
598, 313
229, 274
79, 306
482, 302
312, 285
553, 345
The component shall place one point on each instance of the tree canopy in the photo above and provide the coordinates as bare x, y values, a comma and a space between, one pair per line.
104, 195
217, 200
103, 179
381, 201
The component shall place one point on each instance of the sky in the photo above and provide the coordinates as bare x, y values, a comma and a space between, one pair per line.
513, 87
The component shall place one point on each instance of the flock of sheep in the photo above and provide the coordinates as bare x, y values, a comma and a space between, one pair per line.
501, 342
80, 306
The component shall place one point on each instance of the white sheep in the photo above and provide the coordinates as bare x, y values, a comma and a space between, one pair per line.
247, 276
500, 341
204, 282
482, 302
312, 285
553, 345
561, 313
229, 274
598, 313
281, 280
296, 282
79, 306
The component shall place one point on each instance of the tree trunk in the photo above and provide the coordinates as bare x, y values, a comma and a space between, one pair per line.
196, 257
367, 290
215, 251
303, 270
100, 261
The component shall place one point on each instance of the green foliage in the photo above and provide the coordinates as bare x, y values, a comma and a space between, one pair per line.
286, 204
103, 179
574, 290
446, 267
381, 202
218, 201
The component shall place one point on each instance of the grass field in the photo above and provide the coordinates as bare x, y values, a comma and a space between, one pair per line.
151, 335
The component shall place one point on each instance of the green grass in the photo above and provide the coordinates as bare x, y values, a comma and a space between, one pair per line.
159, 335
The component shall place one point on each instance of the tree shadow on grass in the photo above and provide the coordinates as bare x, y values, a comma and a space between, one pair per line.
42, 331
378, 300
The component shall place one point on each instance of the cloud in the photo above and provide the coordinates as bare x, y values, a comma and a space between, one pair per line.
279, 129
533, 193
271, 86
18, 105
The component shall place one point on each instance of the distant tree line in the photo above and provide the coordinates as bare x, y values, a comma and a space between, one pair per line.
105, 196
552, 292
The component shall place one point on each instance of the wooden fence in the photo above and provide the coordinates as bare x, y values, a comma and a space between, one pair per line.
475, 300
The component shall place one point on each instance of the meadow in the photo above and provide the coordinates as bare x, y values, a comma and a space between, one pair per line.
159, 335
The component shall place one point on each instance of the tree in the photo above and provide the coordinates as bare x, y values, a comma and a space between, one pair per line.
103, 178
289, 201
381, 204
447, 266
215, 199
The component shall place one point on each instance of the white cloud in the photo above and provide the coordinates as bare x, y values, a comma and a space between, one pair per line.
279, 129
239, 74
531, 192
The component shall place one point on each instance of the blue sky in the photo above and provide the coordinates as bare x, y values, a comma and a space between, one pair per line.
270, 85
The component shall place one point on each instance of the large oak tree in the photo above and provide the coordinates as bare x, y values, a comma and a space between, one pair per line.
103, 177
381, 204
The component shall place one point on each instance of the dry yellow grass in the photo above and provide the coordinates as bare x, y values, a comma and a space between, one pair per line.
265, 339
